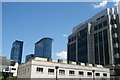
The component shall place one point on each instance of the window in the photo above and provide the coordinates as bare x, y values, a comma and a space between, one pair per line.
98, 19
100, 25
102, 16
89, 73
113, 21
7, 69
69, 40
71, 72
61, 72
81, 73
39, 69
13, 68
97, 74
95, 28
105, 23
51, 71
104, 74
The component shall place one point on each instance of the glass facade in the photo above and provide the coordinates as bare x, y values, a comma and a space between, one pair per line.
82, 46
99, 26
96, 49
106, 49
72, 52
43, 48
77, 49
101, 47
29, 56
16, 51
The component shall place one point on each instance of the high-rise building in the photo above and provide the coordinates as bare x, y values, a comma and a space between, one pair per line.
16, 51
97, 40
43, 48
29, 56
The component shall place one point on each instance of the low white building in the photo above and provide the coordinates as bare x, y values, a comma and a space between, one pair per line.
47, 68
8, 66
12, 68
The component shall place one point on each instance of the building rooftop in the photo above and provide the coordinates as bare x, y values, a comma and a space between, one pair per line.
103, 13
64, 62
43, 39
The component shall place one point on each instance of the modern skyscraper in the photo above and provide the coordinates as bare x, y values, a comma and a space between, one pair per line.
16, 51
43, 48
97, 40
29, 56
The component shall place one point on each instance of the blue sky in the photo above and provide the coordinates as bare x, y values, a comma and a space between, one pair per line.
29, 22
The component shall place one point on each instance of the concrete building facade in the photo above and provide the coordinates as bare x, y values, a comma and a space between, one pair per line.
46, 68
96, 41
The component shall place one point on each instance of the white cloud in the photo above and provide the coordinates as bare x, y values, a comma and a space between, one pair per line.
62, 54
116, 2
64, 35
101, 4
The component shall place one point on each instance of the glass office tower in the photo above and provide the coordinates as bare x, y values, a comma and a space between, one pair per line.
29, 56
16, 51
43, 48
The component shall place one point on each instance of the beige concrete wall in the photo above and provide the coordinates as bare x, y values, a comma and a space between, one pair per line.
46, 65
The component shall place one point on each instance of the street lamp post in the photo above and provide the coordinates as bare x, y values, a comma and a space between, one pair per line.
93, 74
56, 67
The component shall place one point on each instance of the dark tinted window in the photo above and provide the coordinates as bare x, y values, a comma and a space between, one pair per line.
71, 72
89, 73
106, 49
39, 69
104, 74
96, 48
82, 46
61, 71
81, 73
100, 25
13, 68
105, 23
97, 74
95, 28
50, 70
113, 21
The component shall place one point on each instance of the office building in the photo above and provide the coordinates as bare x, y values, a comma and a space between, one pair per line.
97, 41
43, 48
29, 56
39, 68
16, 51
